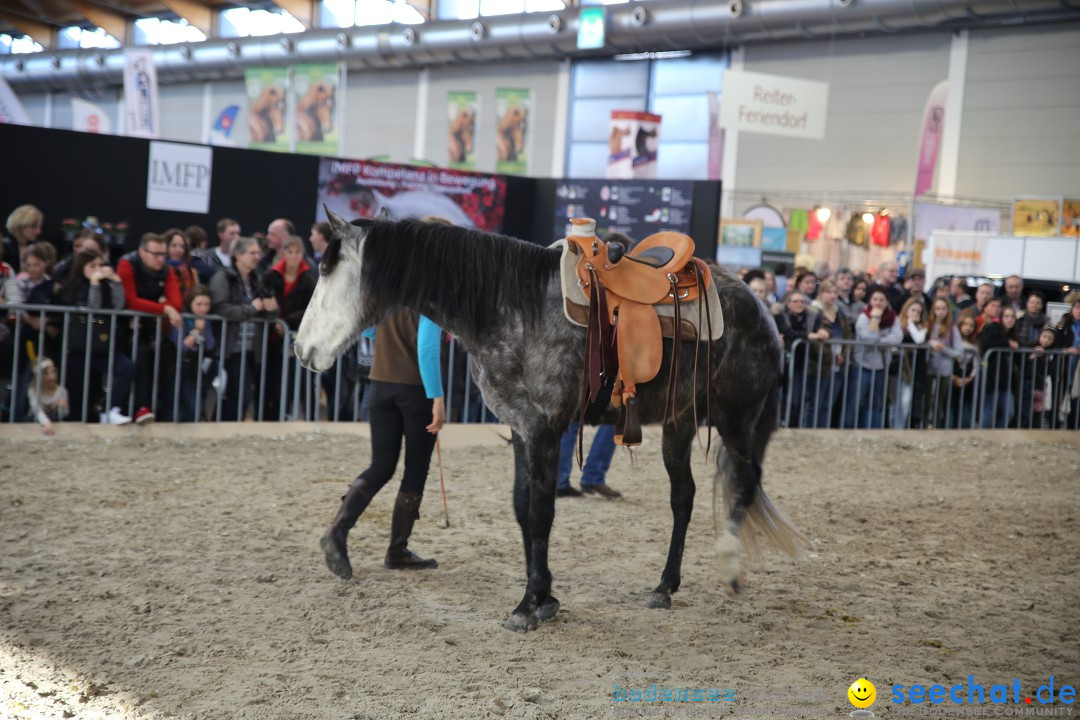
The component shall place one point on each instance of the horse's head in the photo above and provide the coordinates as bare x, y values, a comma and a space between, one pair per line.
339, 308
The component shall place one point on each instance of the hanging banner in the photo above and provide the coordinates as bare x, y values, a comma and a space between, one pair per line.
178, 177
267, 90
11, 109
512, 110
140, 93
633, 144
715, 163
89, 117
361, 188
315, 96
221, 132
462, 109
774, 105
933, 125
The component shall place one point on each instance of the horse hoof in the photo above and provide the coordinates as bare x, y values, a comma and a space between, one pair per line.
336, 558
659, 601
519, 622
733, 588
547, 609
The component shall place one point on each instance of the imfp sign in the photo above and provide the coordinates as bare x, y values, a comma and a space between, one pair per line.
773, 105
178, 177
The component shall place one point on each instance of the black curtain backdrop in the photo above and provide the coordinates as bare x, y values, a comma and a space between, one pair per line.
72, 175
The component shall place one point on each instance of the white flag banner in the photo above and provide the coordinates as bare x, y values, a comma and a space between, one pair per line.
140, 93
178, 177
89, 117
12, 111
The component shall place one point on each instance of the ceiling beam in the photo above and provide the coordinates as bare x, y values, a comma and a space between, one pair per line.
197, 14
110, 21
302, 10
41, 33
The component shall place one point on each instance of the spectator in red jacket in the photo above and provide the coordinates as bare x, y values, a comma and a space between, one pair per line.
150, 287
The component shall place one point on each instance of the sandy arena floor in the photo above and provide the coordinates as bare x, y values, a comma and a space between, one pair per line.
153, 578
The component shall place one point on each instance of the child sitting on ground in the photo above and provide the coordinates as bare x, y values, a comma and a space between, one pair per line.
52, 404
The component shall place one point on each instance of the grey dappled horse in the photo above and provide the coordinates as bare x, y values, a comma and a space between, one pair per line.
501, 297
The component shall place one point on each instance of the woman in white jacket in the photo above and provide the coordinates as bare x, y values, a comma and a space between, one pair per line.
877, 324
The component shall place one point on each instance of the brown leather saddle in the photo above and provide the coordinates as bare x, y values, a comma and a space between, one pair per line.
624, 339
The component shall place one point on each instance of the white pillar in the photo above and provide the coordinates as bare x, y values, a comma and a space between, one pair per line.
562, 113
949, 157
731, 148
423, 84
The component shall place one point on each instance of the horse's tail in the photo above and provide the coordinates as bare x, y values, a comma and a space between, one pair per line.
762, 521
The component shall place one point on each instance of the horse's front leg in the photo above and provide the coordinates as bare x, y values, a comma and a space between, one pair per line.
677, 445
536, 468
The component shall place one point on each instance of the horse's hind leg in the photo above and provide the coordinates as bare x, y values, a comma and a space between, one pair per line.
535, 466
677, 446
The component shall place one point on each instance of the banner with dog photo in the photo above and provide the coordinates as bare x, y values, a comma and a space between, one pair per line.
267, 92
512, 110
462, 109
315, 99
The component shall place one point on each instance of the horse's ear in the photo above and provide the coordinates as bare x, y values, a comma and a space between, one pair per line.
339, 226
384, 214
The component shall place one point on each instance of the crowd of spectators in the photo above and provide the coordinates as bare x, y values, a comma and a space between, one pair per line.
880, 352
177, 351
860, 350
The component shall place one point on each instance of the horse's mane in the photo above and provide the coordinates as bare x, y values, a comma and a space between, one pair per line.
478, 277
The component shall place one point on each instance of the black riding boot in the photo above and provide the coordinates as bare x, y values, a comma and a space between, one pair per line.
406, 512
353, 504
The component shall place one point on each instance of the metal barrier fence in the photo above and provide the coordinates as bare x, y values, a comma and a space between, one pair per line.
827, 384
138, 360
856, 384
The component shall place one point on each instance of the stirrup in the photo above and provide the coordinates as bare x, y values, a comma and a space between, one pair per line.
628, 429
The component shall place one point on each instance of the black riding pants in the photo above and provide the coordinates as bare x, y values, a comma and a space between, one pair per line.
400, 411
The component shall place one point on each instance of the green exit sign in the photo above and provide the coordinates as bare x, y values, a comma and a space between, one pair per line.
590, 34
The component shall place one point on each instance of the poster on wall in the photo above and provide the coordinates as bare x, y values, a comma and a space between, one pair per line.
462, 108
315, 99
636, 208
267, 92
361, 188
1037, 217
741, 232
140, 93
1070, 218
512, 110
633, 144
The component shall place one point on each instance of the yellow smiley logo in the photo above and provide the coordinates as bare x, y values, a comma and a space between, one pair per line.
862, 693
